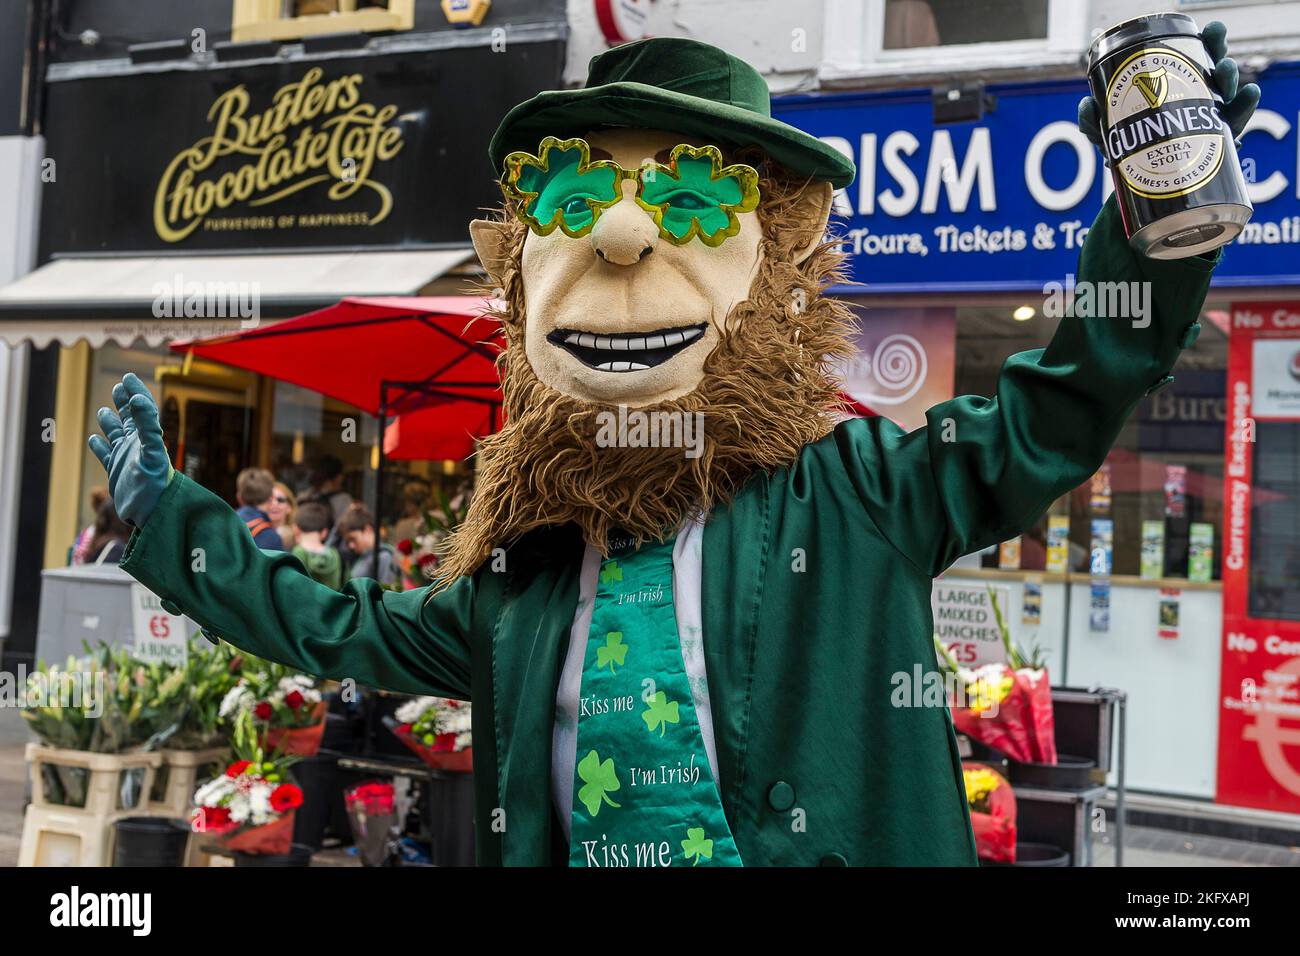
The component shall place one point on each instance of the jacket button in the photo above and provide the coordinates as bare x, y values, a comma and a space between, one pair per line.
833, 859
781, 796
1190, 335
1160, 384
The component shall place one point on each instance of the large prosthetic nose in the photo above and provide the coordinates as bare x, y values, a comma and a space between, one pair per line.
625, 233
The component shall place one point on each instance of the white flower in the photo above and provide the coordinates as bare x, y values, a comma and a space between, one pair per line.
413, 710
212, 793
239, 697
239, 807
463, 741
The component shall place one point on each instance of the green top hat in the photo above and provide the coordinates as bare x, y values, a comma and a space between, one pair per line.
672, 84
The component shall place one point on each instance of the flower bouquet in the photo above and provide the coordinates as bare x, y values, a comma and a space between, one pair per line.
286, 707
438, 730
372, 813
418, 557
250, 807
992, 812
1005, 706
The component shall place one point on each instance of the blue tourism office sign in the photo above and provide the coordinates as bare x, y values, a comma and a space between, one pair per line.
1004, 203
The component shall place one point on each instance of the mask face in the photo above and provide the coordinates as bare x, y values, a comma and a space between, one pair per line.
622, 304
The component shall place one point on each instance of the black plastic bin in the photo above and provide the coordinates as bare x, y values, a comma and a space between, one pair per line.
150, 841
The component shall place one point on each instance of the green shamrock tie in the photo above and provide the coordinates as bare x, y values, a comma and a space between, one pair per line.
644, 793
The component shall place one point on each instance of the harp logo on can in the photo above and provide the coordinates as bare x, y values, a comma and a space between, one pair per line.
1164, 134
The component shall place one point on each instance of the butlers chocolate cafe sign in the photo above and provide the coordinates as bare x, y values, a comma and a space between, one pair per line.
344, 152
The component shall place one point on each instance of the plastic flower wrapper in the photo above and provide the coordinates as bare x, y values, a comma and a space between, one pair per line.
250, 806
992, 805
1004, 706
372, 814
438, 729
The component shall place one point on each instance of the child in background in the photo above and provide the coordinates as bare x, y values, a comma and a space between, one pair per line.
312, 522
357, 529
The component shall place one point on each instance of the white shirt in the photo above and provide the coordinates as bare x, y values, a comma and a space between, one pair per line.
687, 567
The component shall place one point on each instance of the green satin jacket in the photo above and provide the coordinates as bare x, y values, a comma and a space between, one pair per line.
816, 592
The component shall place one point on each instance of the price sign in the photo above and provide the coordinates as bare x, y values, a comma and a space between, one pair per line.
158, 634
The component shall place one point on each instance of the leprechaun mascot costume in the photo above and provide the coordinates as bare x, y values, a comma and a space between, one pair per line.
683, 651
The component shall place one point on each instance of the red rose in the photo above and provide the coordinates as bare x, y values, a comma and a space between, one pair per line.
212, 820
406, 546
428, 560
444, 743
262, 711
236, 768
403, 728
293, 700
286, 797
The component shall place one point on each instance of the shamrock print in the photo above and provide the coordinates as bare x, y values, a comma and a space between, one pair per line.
660, 712
611, 573
599, 781
614, 651
696, 846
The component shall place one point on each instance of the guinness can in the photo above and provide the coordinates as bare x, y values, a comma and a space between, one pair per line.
1177, 178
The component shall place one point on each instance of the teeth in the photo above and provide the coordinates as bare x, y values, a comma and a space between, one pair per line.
586, 340
672, 338
690, 334
619, 345
571, 338
636, 345
621, 367
654, 342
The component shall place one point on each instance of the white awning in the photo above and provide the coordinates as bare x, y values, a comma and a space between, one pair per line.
157, 299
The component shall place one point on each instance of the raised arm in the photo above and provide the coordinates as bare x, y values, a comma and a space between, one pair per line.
984, 469
191, 549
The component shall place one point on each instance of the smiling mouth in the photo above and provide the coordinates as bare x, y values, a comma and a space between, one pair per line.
626, 351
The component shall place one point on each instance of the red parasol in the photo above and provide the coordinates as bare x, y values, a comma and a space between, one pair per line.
384, 355
442, 431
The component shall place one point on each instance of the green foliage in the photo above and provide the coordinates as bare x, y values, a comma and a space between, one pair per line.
107, 702
210, 673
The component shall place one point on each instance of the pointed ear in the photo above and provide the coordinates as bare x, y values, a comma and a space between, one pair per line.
814, 212
490, 244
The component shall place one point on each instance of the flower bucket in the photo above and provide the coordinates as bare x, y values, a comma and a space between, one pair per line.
298, 741
299, 855
150, 841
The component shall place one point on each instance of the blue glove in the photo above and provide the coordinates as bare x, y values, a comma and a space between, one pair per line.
133, 454
1238, 104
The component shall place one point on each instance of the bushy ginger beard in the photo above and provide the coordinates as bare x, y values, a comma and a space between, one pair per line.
767, 391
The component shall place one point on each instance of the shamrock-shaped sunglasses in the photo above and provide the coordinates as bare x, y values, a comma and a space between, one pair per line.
691, 195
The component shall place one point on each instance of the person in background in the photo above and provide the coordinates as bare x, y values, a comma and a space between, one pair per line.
312, 524
81, 547
111, 535
357, 530
415, 497
280, 513
254, 488
327, 486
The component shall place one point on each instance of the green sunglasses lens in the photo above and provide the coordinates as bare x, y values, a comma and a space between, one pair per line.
693, 195
564, 187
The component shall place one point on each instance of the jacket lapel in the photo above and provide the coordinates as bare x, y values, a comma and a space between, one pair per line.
735, 558
535, 619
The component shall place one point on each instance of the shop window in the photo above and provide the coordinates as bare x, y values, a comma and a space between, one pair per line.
868, 39
295, 19
930, 23
1156, 506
